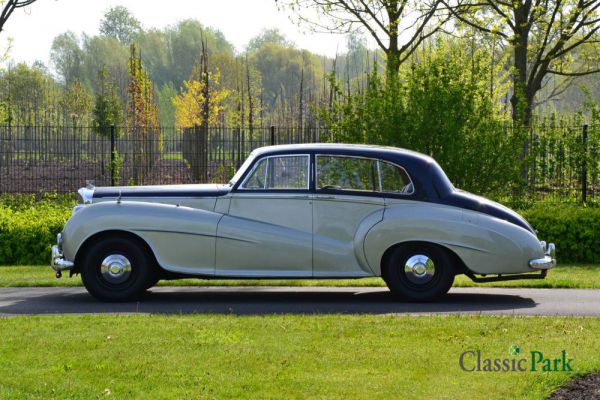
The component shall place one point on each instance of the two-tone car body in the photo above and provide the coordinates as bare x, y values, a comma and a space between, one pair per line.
301, 211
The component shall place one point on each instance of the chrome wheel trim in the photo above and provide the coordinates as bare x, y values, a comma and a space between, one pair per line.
115, 268
419, 269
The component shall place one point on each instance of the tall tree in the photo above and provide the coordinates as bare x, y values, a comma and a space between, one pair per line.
9, 6
120, 24
384, 20
546, 37
66, 57
268, 36
76, 103
107, 108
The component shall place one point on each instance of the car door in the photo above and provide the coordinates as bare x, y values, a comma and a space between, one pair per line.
348, 201
268, 228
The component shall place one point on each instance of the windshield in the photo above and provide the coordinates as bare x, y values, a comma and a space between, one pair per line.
241, 170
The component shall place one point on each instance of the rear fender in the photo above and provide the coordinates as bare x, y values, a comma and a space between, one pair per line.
485, 244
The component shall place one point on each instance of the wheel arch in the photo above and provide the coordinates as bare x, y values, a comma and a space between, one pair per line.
112, 233
460, 266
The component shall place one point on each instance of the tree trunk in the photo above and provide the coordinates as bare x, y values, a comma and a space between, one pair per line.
393, 51
522, 98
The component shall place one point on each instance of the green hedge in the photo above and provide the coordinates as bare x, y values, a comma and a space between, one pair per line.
28, 228
574, 229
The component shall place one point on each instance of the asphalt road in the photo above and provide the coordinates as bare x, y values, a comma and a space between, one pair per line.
302, 300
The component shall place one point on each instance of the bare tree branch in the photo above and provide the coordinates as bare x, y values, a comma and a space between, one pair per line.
9, 7
578, 73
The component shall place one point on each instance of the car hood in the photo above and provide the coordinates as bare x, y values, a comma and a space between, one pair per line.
199, 190
462, 199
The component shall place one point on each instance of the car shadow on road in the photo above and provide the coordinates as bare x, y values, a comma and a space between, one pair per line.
261, 301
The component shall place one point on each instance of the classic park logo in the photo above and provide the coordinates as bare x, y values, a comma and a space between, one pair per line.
517, 361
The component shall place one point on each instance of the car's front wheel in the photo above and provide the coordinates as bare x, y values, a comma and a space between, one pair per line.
117, 269
419, 271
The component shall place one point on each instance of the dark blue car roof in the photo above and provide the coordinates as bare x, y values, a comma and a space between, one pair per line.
427, 176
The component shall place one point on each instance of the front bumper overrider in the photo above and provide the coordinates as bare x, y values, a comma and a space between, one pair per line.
58, 261
549, 259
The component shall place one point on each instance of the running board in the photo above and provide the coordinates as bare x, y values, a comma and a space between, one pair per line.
511, 277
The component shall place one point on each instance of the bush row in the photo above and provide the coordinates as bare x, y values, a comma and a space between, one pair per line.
574, 229
28, 228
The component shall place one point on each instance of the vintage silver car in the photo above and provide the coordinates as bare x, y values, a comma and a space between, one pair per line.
301, 211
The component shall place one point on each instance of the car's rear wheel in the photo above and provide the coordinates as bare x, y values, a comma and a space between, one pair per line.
117, 269
419, 272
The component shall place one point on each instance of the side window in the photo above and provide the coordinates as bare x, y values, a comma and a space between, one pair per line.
283, 172
347, 173
394, 179
361, 174
258, 177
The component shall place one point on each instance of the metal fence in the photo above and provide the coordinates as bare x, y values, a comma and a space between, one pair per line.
37, 159
564, 161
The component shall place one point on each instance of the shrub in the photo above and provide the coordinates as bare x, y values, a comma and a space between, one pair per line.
28, 227
574, 229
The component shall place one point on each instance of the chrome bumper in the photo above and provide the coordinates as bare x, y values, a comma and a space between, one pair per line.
549, 259
58, 262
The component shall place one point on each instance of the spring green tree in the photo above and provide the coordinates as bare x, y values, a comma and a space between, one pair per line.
546, 37
385, 21
119, 23
108, 109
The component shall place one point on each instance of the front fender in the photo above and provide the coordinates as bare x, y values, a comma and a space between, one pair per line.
485, 244
182, 239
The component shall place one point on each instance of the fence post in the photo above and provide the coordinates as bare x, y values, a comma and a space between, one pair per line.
112, 155
584, 142
272, 135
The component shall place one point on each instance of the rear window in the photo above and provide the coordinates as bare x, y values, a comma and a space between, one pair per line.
361, 174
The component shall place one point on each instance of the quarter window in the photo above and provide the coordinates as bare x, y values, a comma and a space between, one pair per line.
283, 172
394, 179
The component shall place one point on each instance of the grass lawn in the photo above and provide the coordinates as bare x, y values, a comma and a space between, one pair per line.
564, 276
290, 356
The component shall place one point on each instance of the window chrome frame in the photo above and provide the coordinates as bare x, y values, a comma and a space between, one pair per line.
379, 161
264, 188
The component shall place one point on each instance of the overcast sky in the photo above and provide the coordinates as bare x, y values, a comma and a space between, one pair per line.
32, 29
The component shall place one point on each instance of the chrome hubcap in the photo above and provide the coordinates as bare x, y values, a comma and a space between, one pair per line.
115, 268
419, 269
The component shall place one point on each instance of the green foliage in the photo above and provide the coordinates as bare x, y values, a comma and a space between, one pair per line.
574, 229
440, 108
77, 102
166, 110
142, 111
66, 56
283, 70
272, 36
114, 168
108, 109
120, 24
28, 227
29, 95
